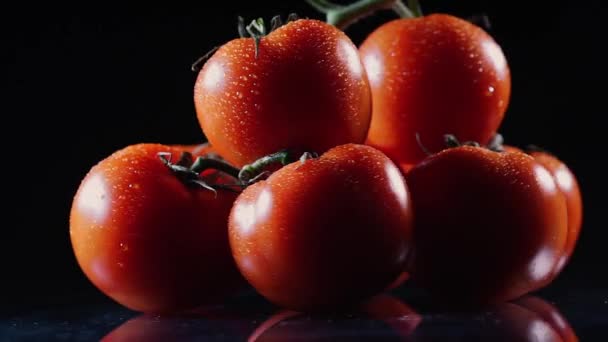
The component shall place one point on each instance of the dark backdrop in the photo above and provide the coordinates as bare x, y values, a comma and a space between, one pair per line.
84, 82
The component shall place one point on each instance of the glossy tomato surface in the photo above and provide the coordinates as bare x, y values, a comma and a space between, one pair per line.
489, 226
306, 91
326, 232
146, 239
568, 185
432, 76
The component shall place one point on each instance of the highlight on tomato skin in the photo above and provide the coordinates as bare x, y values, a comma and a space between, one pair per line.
380, 318
324, 233
568, 185
148, 240
431, 76
489, 226
305, 90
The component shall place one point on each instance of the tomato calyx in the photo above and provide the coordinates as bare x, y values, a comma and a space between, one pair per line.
257, 28
189, 171
342, 16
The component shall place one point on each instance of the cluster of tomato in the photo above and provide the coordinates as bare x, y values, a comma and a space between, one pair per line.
392, 196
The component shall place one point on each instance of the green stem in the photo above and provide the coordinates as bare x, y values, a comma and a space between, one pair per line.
201, 164
250, 171
414, 6
343, 16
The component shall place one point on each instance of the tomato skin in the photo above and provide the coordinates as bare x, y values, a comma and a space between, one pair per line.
568, 186
306, 90
147, 240
432, 76
489, 226
325, 233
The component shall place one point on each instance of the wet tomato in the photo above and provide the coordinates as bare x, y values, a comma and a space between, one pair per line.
431, 76
324, 233
305, 90
147, 238
489, 226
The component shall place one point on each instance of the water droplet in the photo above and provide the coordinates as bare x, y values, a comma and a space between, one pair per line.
124, 247
490, 91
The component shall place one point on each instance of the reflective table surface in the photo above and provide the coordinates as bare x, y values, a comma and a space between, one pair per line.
403, 315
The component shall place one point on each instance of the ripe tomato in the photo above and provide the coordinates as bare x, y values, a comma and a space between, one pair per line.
324, 233
381, 318
567, 184
431, 76
306, 90
490, 226
148, 240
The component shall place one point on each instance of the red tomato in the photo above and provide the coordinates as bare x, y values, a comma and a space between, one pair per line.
148, 240
432, 76
325, 232
381, 318
567, 184
306, 90
489, 226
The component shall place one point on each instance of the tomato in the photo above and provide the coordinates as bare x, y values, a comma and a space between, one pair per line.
567, 184
324, 233
380, 318
432, 76
305, 90
147, 239
489, 226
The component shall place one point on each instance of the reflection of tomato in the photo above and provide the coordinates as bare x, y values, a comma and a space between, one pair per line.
490, 226
550, 315
306, 90
324, 232
528, 319
380, 318
195, 326
432, 76
148, 240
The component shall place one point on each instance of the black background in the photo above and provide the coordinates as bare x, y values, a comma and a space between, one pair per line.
84, 82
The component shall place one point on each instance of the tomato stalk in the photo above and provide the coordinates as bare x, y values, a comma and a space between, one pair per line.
250, 172
343, 16
257, 28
